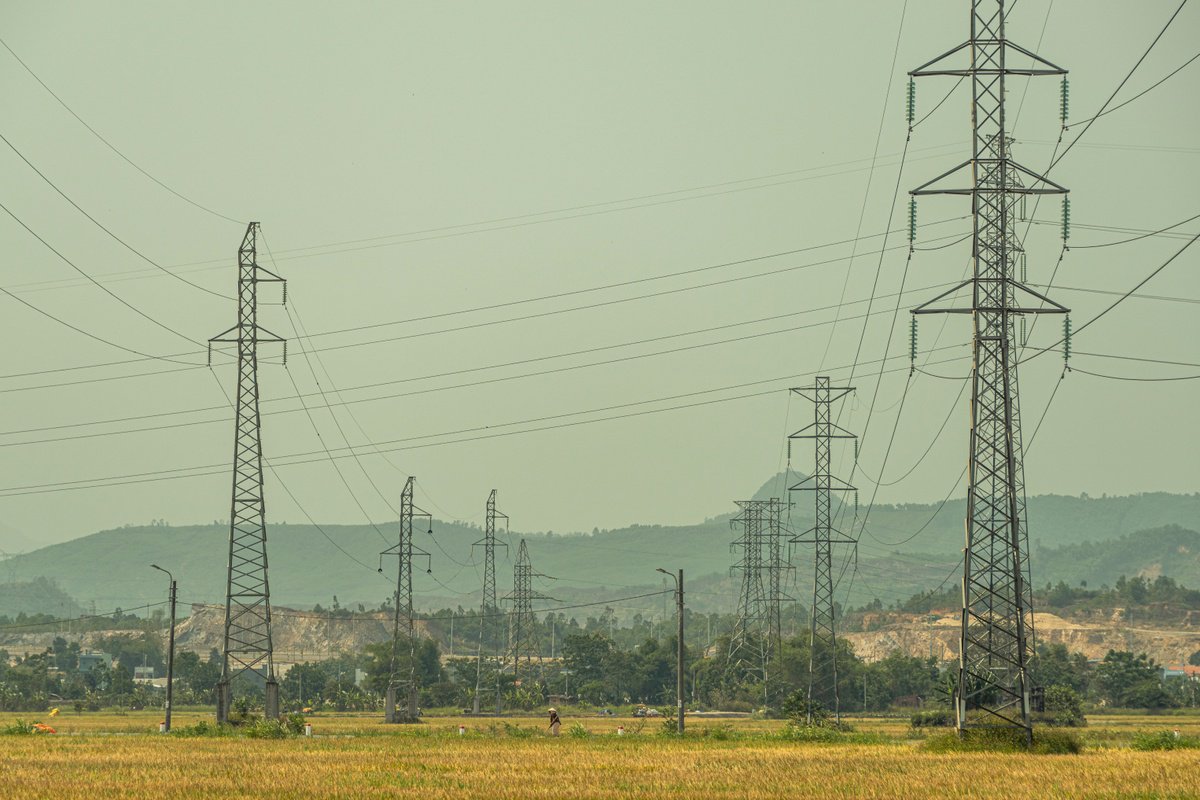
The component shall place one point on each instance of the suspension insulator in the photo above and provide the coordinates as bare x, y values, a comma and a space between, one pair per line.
912, 340
1066, 218
1067, 341
910, 106
1065, 101
912, 220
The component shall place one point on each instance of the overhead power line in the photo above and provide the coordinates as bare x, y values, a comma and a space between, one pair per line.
102, 227
480, 434
511, 319
1142, 93
109, 144
99, 286
1120, 85
536, 359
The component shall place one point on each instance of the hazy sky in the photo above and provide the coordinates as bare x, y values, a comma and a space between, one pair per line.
707, 162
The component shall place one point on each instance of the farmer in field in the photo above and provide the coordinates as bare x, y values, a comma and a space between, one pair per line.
555, 722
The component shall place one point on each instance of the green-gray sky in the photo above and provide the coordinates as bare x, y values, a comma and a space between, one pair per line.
416, 159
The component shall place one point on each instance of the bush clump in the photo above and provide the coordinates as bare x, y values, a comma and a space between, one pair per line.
286, 728
1004, 740
720, 733
19, 728
1164, 740
933, 718
1064, 708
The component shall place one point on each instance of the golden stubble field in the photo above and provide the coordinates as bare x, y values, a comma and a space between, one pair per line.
104, 756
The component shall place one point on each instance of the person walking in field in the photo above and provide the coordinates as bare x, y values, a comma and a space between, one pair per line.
555, 722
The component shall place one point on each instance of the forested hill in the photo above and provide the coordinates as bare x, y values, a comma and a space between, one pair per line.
309, 566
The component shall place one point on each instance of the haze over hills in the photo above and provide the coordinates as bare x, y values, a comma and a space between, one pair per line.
906, 549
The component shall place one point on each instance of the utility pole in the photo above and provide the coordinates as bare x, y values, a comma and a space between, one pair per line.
993, 683
822, 627
246, 646
403, 625
489, 606
679, 711
522, 630
170, 650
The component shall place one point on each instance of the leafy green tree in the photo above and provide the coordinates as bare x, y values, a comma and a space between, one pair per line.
197, 678
1054, 665
584, 655
120, 682
1130, 681
425, 657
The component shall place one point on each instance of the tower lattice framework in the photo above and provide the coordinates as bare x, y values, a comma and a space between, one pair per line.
777, 565
995, 641
822, 625
522, 626
489, 611
748, 643
402, 679
246, 645
757, 629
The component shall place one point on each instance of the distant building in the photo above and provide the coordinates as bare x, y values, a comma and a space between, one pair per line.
143, 673
89, 661
1182, 671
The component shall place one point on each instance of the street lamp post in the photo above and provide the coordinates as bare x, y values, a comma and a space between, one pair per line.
679, 652
170, 650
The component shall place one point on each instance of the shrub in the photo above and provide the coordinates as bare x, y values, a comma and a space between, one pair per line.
720, 733
203, 728
828, 734
516, 731
19, 728
578, 731
1004, 740
796, 709
1163, 740
266, 729
288, 727
1064, 708
934, 718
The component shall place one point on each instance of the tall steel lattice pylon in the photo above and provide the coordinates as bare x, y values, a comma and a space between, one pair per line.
757, 629
404, 630
995, 645
247, 641
747, 645
822, 625
489, 610
522, 626
776, 565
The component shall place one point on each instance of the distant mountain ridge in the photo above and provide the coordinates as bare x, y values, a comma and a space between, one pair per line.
110, 568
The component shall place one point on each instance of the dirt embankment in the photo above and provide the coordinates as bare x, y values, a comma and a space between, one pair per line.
298, 636
938, 635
